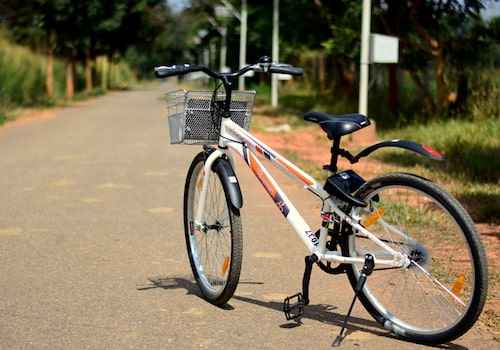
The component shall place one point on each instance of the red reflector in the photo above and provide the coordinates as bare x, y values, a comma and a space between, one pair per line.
432, 151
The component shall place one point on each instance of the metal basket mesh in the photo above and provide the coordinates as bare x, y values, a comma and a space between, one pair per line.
190, 117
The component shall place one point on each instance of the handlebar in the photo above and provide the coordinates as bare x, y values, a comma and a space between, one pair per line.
285, 69
181, 69
265, 65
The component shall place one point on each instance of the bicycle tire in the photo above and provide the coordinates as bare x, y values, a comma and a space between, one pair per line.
222, 295
465, 223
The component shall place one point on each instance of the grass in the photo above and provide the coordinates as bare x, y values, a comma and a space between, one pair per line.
472, 166
470, 147
22, 77
23, 73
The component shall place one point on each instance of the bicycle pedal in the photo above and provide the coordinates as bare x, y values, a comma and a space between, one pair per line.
293, 307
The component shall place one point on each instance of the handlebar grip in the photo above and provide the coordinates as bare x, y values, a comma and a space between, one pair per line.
176, 69
285, 69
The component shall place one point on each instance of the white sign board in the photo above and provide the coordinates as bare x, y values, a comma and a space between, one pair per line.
384, 49
284, 76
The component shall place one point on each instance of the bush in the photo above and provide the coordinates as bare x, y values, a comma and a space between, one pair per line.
471, 147
121, 76
23, 74
485, 95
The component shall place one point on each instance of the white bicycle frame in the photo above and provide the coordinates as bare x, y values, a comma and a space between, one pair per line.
233, 137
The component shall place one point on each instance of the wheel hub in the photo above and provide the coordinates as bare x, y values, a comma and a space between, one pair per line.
419, 254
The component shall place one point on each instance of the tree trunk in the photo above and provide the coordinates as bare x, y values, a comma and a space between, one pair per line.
436, 51
88, 72
441, 86
393, 89
346, 78
104, 73
70, 86
424, 93
49, 78
322, 72
460, 101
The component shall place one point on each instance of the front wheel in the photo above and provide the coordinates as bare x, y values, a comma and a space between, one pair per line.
440, 295
214, 242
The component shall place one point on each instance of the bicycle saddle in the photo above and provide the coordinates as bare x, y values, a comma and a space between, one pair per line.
336, 126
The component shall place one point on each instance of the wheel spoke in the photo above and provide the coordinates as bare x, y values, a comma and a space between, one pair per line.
434, 292
212, 243
436, 281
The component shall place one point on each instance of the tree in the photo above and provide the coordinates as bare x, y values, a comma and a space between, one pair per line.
34, 22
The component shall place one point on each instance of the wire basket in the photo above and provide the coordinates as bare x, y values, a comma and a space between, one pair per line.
190, 118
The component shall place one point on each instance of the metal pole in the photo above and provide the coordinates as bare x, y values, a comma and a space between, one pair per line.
243, 42
206, 57
274, 81
364, 61
213, 55
223, 48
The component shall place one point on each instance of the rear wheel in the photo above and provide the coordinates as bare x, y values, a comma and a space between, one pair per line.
440, 295
214, 244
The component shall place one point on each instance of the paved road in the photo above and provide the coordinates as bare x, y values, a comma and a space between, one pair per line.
92, 252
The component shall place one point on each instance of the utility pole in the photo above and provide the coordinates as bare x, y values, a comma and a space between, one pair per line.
223, 12
223, 48
364, 61
274, 81
243, 42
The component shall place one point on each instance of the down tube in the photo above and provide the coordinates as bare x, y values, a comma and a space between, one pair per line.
279, 197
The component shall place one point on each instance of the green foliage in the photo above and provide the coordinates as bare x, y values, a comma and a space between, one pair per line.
470, 147
472, 168
344, 43
121, 76
22, 76
485, 95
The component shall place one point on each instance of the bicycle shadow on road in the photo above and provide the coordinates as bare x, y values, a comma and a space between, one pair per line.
324, 313
172, 283
319, 312
183, 283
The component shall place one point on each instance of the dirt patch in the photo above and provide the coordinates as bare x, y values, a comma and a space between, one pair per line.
30, 115
311, 144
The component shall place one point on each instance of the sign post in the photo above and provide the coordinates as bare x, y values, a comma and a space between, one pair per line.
364, 60
274, 81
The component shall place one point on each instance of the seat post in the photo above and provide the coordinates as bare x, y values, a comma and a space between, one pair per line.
335, 154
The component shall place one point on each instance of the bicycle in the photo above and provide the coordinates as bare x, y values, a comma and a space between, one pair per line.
409, 249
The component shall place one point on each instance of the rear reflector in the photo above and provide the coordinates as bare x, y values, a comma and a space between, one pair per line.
432, 151
377, 214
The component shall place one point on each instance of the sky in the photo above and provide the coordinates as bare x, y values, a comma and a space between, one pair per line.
492, 10
178, 5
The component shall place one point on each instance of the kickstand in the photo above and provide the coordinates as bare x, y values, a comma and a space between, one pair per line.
368, 266
309, 260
